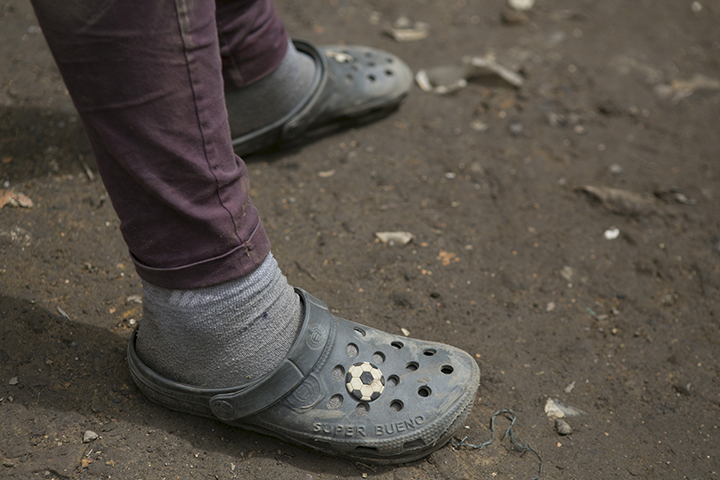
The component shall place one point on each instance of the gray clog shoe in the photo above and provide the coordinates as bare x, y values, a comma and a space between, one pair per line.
344, 389
352, 85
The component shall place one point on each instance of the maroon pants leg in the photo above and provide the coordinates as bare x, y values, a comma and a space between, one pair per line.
146, 79
253, 40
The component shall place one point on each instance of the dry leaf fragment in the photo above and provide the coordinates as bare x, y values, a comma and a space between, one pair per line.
405, 30
622, 202
446, 79
5, 196
14, 199
679, 89
447, 258
442, 80
483, 66
557, 409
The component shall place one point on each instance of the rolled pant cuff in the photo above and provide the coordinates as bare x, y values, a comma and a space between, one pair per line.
237, 263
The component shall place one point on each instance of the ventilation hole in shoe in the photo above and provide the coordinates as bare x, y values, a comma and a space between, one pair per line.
397, 345
362, 408
447, 369
359, 331
412, 366
389, 60
351, 350
371, 78
355, 68
389, 73
414, 444
335, 402
349, 79
338, 372
424, 391
396, 405
370, 64
393, 380
363, 450
368, 54
429, 352
378, 357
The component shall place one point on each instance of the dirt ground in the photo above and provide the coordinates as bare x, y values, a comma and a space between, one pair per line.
506, 194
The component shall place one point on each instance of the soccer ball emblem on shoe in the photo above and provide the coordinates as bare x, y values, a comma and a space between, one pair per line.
344, 389
365, 381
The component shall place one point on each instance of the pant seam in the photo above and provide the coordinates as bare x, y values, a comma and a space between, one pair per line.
183, 20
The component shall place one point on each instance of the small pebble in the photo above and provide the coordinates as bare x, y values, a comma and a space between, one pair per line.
89, 436
516, 129
563, 427
616, 169
134, 299
13, 381
669, 300
478, 126
611, 233
521, 4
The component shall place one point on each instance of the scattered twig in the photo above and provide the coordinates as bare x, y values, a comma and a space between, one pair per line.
304, 270
86, 168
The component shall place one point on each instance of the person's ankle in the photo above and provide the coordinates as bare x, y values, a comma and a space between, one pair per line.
271, 98
223, 335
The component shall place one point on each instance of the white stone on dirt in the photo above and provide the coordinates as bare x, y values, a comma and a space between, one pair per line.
616, 169
521, 5
395, 238
563, 427
134, 299
611, 233
89, 436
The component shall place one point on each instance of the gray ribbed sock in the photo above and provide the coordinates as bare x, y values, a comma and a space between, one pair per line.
268, 100
224, 335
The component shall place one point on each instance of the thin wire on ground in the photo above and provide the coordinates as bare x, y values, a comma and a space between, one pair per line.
510, 433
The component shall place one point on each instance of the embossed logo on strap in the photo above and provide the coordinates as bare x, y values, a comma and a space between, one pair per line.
305, 396
316, 336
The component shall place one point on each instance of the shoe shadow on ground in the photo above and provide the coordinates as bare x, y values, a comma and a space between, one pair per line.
36, 143
327, 131
60, 378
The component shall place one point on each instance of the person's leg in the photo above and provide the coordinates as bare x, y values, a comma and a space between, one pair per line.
223, 335
263, 72
294, 92
146, 80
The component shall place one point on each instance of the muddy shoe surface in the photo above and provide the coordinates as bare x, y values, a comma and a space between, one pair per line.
344, 389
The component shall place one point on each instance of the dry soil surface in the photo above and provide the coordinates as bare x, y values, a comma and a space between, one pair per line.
566, 234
